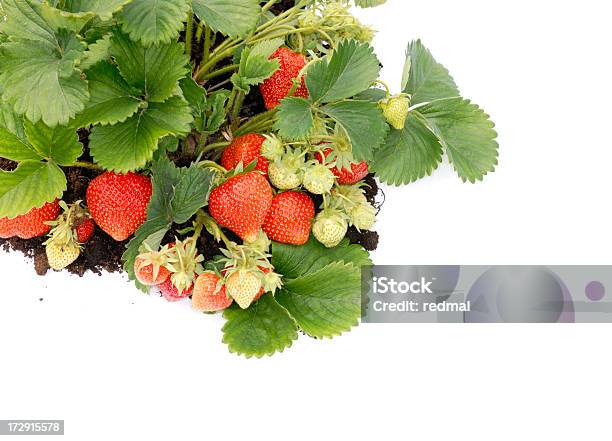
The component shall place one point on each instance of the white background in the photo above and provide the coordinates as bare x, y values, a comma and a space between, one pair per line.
117, 364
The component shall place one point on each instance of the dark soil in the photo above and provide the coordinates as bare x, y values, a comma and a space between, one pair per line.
103, 254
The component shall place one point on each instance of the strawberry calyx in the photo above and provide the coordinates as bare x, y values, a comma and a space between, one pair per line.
151, 267
64, 228
287, 172
272, 148
184, 263
351, 200
248, 272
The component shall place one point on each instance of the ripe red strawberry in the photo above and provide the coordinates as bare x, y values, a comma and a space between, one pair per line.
31, 224
277, 87
290, 218
345, 176
85, 229
6, 228
206, 295
245, 149
171, 293
241, 204
118, 202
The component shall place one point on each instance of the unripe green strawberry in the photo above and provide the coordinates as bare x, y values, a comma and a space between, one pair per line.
60, 255
318, 179
395, 110
363, 216
282, 177
243, 286
272, 148
330, 227
286, 173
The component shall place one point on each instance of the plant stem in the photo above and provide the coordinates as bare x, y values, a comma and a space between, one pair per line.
263, 119
237, 104
207, 35
214, 146
199, 32
267, 6
214, 58
222, 71
260, 128
212, 164
189, 34
385, 85
87, 165
230, 101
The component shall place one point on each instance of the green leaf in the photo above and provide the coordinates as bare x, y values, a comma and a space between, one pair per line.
467, 134
155, 70
15, 149
214, 111
24, 20
374, 95
164, 177
59, 19
369, 3
42, 82
234, 18
294, 261
154, 21
255, 65
12, 122
167, 144
427, 80
30, 185
294, 119
112, 99
59, 144
191, 192
351, 68
96, 52
129, 145
324, 303
178, 193
263, 329
363, 122
13, 142
102, 8
408, 154
193, 93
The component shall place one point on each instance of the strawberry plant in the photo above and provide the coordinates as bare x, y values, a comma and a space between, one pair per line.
222, 152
